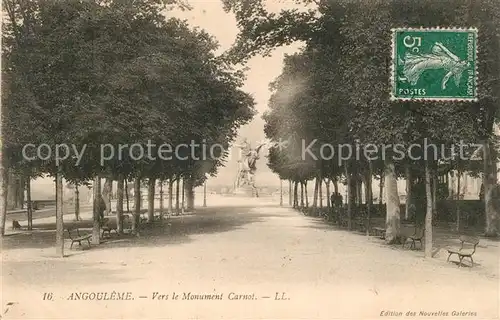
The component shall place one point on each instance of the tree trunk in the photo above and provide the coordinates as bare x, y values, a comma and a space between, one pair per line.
290, 192
3, 184
434, 182
353, 194
110, 193
12, 190
151, 199
369, 197
119, 204
381, 191
137, 205
315, 195
359, 192
492, 209
281, 193
447, 182
182, 194
327, 182
106, 194
170, 196
189, 189
162, 206
127, 195
96, 218
320, 189
301, 194
177, 204
393, 218
336, 186
465, 185
409, 182
59, 216
429, 212
20, 192
77, 203
349, 196
307, 197
205, 194
458, 200
451, 186
29, 207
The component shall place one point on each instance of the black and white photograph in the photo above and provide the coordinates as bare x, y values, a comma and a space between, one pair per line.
250, 159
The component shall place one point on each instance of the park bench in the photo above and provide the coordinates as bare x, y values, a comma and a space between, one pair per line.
417, 236
466, 250
105, 227
77, 237
379, 232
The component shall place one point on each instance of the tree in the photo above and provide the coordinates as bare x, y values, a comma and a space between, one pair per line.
362, 64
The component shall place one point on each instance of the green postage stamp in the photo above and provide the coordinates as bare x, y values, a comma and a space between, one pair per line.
434, 64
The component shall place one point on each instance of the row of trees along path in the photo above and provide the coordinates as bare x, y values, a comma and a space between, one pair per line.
90, 73
336, 90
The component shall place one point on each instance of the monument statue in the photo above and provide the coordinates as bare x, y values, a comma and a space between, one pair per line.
247, 166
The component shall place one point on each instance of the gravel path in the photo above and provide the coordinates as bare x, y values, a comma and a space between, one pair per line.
258, 254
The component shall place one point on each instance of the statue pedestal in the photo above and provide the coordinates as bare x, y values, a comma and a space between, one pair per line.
245, 191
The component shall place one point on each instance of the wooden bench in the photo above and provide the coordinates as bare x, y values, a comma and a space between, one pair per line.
464, 252
379, 232
105, 227
417, 236
78, 237
127, 223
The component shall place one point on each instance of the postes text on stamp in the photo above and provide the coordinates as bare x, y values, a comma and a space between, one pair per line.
434, 64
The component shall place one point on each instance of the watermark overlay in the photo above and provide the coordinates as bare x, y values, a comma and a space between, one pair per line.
306, 150
119, 152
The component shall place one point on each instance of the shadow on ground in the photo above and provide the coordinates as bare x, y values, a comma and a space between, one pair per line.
176, 230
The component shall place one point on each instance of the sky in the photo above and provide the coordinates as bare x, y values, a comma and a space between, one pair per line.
209, 15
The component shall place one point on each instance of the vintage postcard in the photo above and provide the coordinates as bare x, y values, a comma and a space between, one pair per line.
248, 159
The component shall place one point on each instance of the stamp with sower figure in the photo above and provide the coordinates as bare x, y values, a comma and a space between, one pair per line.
434, 64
